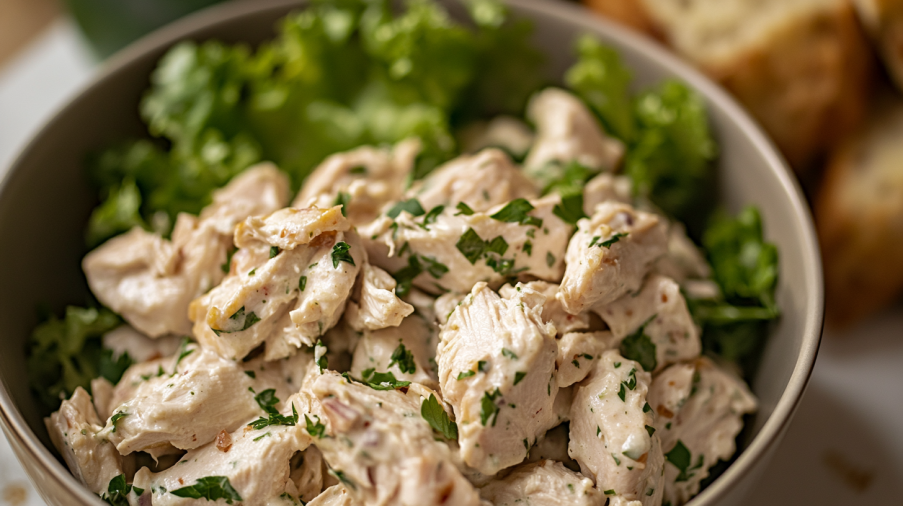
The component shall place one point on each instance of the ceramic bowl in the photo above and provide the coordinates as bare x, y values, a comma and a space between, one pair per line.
45, 203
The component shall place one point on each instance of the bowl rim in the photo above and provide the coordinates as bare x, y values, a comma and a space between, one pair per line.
24, 440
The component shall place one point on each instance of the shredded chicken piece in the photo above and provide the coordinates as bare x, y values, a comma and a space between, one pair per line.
455, 251
699, 406
577, 352
410, 348
544, 483
197, 395
374, 306
151, 281
605, 187
567, 131
76, 432
382, 450
364, 179
300, 271
552, 309
609, 255
256, 465
336, 495
497, 369
482, 181
612, 434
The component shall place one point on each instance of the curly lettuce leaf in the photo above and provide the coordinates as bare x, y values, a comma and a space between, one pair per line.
602, 81
745, 267
67, 353
671, 159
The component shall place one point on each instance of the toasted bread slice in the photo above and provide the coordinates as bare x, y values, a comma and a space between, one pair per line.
802, 67
859, 214
883, 19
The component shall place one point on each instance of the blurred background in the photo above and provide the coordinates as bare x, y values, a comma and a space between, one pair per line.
822, 77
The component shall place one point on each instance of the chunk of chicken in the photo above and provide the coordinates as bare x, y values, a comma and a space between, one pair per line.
567, 131
700, 408
577, 351
552, 310
456, 250
446, 303
125, 339
254, 461
375, 305
657, 313
544, 483
381, 448
303, 264
612, 437
151, 281
75, 432
497, 369
606, 187
407, 351
336, 495
206, 394
683, 260
308, 474
365, 179
482, 181
609, 255
504, 132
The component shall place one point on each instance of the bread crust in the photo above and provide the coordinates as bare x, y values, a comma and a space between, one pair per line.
859, 216
883, 19
807, 82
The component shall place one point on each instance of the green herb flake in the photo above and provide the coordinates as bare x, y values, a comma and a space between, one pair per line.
115, 419
508, 353
471, 245
342, 199
488, 407
357, 171
247, 320
519, 376
650, 430
404, 358
465, 374
340, 253
438, 419
463, 209
118, 491
251, 374
550, 259
431, 217
302, 283
411, 206
639, 347
211, 488
317, 430
516, 212
274, 251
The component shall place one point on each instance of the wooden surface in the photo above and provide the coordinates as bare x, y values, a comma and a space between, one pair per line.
21, 21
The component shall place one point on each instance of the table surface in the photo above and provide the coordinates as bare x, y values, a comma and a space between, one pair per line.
844, 447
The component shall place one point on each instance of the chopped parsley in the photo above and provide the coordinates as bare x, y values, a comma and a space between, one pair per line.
680, 457
412, 206
340, 475
247, 321
274, 418
516, 212
274, 251
317, 430
570, 210
183, 352
482, 366
607, 243
519, 376
118, 491
650, 430
463, 209
340, 253
431, 217
488, 407
473, 247
251, 374
550, 259
267, 401
115, 419
432, 412
610, 492
528, 248
465, 374
508, 353
302, 283
320, 356
639, 347
342, 199
377, 380
227, 266
416, 265
211, 488
404, 358
359, 170
258, 438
